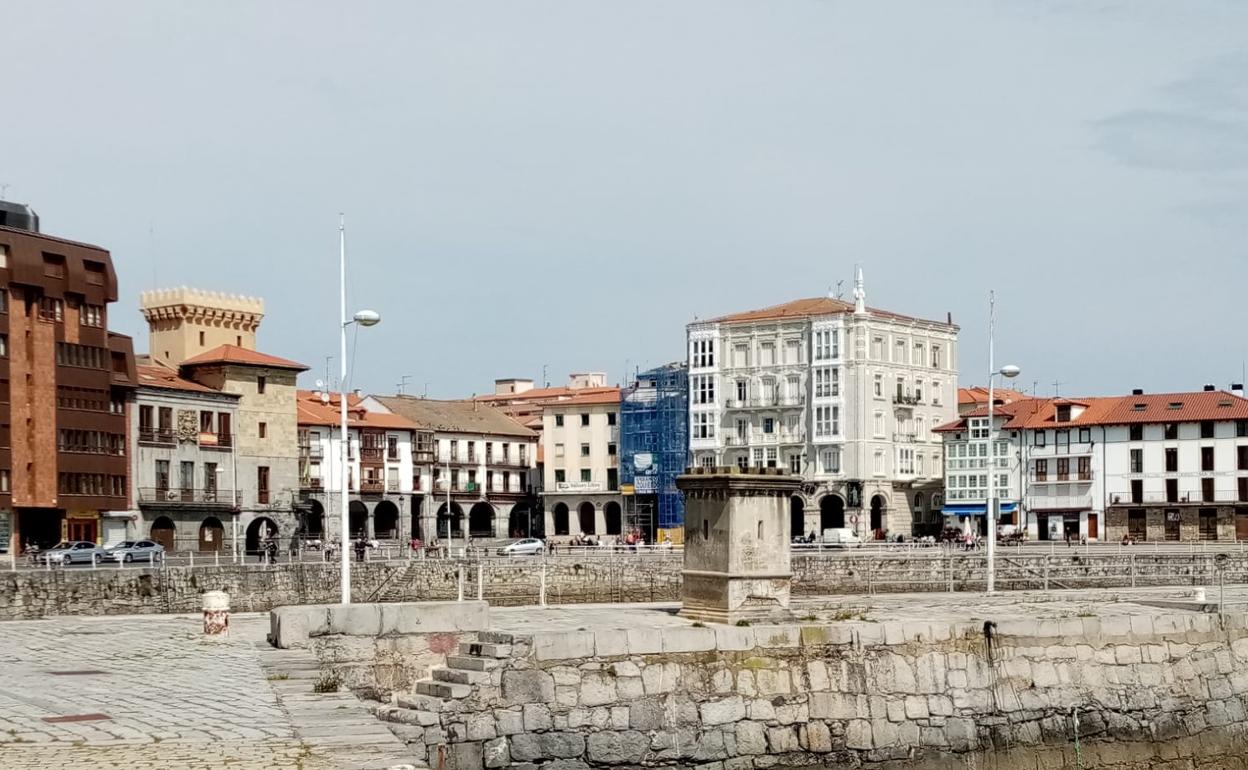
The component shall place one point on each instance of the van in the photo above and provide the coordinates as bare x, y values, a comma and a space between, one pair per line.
841, 537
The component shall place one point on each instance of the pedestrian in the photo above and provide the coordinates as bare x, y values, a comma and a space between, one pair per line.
360, 546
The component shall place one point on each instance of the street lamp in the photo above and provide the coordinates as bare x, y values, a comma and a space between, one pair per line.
363, 318
991, 508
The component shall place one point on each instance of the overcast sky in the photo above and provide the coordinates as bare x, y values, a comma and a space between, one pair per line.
569, 183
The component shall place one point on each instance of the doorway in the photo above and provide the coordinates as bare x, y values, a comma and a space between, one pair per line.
1173, 531
83, 529
1093, 526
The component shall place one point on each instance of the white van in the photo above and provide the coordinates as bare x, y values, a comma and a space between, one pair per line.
841, 537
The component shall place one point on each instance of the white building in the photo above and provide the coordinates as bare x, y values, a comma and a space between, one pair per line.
384, 485
581, 485
1156, 467
843, 395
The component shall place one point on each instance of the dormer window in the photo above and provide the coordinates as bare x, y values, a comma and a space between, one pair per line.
1063, 413
1138, 407
1175, 405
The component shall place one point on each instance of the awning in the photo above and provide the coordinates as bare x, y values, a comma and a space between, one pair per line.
975, 509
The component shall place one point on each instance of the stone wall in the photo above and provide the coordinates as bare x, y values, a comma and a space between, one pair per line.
733, 698
623, 578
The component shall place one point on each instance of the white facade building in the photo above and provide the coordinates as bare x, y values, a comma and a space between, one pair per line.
1152, 467
843, 395
581, 465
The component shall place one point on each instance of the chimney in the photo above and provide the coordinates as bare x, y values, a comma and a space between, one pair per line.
1210, 388
1237, 388
1137, 392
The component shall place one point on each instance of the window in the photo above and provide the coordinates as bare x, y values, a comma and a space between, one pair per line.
51, 309
201, 338
264, 429
742, 391
558, 421
703, 389
706, 529
558, 450
1085, 435
1172, 460
703, 426
611, 450
1241, 428
772, 457
1206, 458
822, 385
1063, 413
1172, 490
611, 418
767, 354
879, 424
878, 468
1137, 491
1172, 431
1137, 432
835, 382
1042, 470
823, 344
4, 346
769, 425
936, 356
879, 386
560, 476
743, 462
1206, 429
1243, 489
935, 393
1063, 468
740, 355
223, 428
1241, 458
261, 381
584, 450
918, 391
585, 474
1137, 461
392, 447
92, 315
1085, 468
703, 353
758, 458
1039, 441
831, 460
823, 421
53, 266
1206, 490
795, 464
792, 351
584, 420
262, 484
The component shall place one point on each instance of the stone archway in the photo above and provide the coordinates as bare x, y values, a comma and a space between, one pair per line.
257, 531
454, 520
520, 521
163, 531
614, 518
386, 520
585, 514
481, 520
797, 516
560, 513
878, 508
358, 519
211, 535
831, 512
315, 519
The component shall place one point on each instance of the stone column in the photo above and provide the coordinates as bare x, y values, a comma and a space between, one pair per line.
737, 558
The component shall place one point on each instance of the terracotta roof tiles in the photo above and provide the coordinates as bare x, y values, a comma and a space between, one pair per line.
157, 376
233, 354
810, 308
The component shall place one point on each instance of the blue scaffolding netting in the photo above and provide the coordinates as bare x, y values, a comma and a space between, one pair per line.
654, 444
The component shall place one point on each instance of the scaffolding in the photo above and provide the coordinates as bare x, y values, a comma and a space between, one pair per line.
654, 450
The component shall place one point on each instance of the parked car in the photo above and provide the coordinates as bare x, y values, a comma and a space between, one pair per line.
144, 551
529, 546
841, 537
72, 552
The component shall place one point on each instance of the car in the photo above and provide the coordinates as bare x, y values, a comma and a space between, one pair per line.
841, 537
529, 546
143, 551
72, 552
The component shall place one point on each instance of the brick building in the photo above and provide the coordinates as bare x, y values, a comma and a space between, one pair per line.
64, 380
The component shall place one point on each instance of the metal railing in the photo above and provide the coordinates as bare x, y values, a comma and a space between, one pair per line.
167, 495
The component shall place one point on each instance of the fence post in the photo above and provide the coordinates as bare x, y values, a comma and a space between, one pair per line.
949, 570
480, 581
541, 595
460, 582
192, 553
1046, 573
216, 558
870, 584
1133, 570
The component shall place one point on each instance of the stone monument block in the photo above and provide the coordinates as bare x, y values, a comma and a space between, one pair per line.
737, 561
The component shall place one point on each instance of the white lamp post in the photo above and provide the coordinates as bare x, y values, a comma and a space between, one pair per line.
990, 510
363, 318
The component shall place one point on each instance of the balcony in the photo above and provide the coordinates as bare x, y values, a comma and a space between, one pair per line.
209, 440
177, 496
311, 484
1059, 502
906, 399
311, 451
766, 402
371, 454
905, 438
736, 441
372, 487
392, 485
159, 436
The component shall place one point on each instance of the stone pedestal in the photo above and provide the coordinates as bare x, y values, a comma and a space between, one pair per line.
737, 561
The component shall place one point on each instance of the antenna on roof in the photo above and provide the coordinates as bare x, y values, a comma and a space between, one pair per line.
403, 383
1057, 388
840, 292
4, 190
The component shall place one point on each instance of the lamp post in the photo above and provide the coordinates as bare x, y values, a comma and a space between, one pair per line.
990, 511
363, 318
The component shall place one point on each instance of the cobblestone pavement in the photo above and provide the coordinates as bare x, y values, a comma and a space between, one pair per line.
145, 692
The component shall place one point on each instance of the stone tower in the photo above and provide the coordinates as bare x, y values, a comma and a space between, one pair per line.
737, 563
185, 322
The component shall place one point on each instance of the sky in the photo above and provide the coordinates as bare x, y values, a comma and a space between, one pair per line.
539, 186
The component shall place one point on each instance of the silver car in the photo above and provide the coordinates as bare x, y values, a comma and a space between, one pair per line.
142, 551
72, 552
530, 546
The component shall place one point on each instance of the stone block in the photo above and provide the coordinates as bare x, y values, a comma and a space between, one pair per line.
1142, 626
896, 710
630, 688
751, 738
818, 738
619, 717
565, 645
480, 727
834, 705
525, 747
496, 753
745, 683
773, 681
610, 644
762, 710
778, 636
644, 641
565, 676
645, 715
916, 707
688, 639
1127, 654
723, 711
868, 635
1044, 674
894, 633
858, 735
792, 713
509, 722
782, 740
565, 745
464, 756
721, 681
617, 748
597, 689
536, 716
711, 746
660, 678
961, 734
433, 617
939, 705
527, 686
817, 673
733, 638
355, 619
625, 668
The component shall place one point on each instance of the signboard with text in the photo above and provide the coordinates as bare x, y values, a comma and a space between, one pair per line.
578, 486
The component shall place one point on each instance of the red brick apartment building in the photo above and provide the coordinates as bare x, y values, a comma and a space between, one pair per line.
64, 383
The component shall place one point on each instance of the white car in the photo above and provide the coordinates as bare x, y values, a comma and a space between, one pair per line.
530, 546
841, 537
72, 552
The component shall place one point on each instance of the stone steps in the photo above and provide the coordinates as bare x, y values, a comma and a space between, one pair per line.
417, 702
443, 689
405, 716
460, 676
484, 650
469, 663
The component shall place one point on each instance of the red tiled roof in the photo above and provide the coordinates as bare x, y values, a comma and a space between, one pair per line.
808, 308
157, 376
1040, 413
979, 395
541, 394
313, 411
233, 354
605, 396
